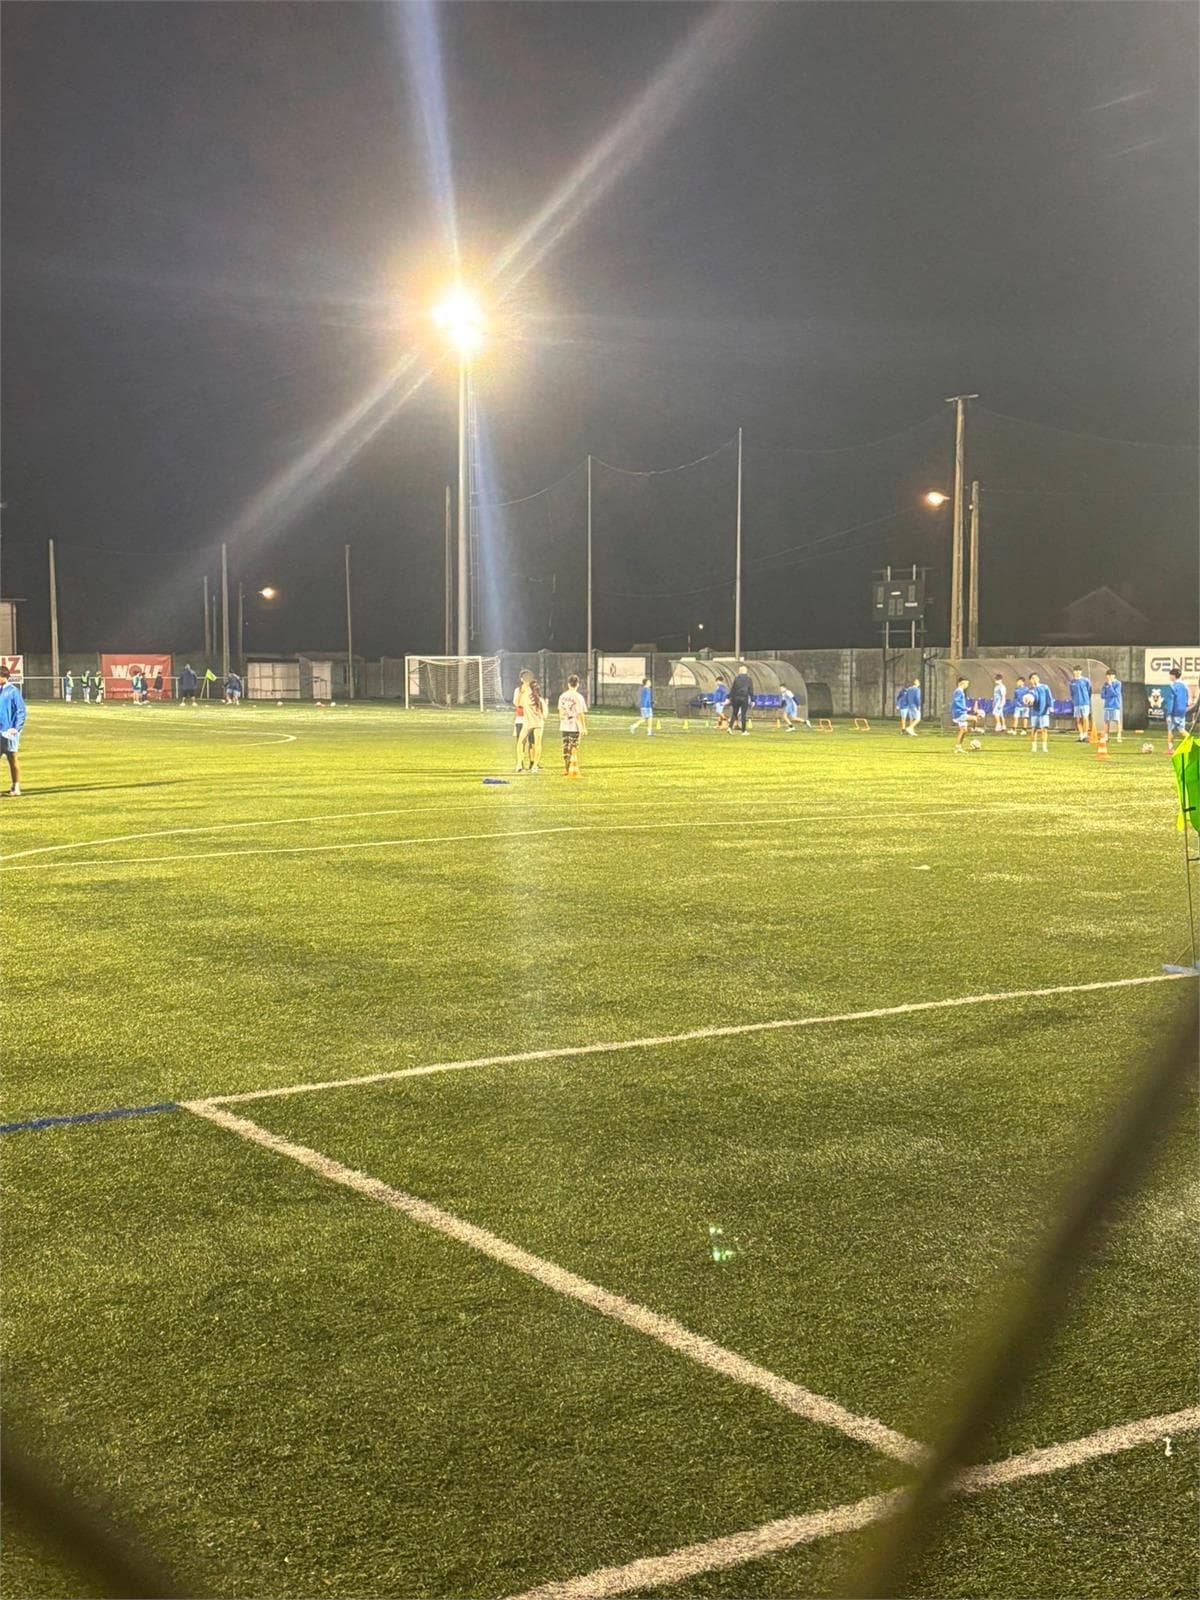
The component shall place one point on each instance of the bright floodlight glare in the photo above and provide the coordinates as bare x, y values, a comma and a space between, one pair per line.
935, 497
460, 318
268, 593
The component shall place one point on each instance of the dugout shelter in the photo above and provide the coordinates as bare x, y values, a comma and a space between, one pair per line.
1054, 671
694, 679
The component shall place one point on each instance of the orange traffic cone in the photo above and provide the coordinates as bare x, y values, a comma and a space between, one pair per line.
573, 765
1102, 748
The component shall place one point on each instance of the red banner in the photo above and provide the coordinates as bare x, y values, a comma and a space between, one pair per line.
118, 674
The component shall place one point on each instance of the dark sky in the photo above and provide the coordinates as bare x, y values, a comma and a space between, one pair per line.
222, 229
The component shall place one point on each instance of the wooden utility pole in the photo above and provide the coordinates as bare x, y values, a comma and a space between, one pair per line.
737, 569
54, 663
349, 635
959, 402
973, 575
224, 611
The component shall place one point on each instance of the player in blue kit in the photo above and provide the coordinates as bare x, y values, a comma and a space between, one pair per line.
1175, 707
1111, 699
720, 696
914, 708
12, 720
1020, 716
999, 697
1039, 713
1081, 703
961, 714
645, 707
788, 701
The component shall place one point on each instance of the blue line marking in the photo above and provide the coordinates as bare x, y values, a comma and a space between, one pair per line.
89, 1116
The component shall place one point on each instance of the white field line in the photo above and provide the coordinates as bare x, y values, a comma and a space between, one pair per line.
786, 1533
778, 819
791, 1396
408, 811
654, 1041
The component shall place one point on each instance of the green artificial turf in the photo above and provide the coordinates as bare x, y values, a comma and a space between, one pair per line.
286, 1389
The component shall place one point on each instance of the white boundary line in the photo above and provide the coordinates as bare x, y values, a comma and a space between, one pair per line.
654, 1041
791, 1396
779, 819
786, 1533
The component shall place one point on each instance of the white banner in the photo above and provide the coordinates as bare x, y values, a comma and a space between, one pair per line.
1160, 661
15, 664
622, 669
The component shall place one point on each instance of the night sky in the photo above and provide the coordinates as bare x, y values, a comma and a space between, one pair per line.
225, 224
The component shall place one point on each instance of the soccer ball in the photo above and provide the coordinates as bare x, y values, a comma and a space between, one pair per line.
1026, 699
976, 745
1147, 748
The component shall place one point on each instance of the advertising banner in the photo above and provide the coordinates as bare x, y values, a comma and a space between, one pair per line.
118, 671
15, 664
621, 669
1159, 662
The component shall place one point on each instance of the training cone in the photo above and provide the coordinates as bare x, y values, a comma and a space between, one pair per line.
573, 766
1102, 749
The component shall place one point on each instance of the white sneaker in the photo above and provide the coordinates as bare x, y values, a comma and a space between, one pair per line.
535, 768
959, 751
15, 790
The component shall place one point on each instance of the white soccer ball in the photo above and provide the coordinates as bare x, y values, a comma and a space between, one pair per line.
1147, 748
976, 745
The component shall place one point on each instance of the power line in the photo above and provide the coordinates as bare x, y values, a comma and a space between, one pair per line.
658, 472
1075, 433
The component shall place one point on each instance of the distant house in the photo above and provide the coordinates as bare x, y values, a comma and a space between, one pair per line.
1101, 616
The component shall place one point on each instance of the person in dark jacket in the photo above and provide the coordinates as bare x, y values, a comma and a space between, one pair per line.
187, 685
741, 692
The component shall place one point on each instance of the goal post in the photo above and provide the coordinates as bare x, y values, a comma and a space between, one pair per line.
451, 681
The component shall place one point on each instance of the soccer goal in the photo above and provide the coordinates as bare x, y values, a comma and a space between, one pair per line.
452, 681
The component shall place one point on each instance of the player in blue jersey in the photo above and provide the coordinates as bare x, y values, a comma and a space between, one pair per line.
1021, 707
787, 700
720, 699
1175, 707
914, 708
645, 703
12, 720
999, 699
1081, 703
961, 714
1111, 699
1039, 713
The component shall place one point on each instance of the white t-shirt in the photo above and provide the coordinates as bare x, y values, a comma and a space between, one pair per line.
571, 707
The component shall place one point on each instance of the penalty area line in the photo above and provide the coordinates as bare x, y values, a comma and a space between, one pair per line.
655, 1041
787, 1533
666, 1331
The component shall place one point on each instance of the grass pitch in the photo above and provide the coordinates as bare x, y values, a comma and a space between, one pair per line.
285, 1387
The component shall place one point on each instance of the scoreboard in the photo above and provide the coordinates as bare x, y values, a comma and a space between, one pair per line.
898, 599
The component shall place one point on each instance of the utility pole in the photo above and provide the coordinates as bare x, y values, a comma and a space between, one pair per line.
464, 516
737, 578
349, 635
448, 630
591, 660
224, 610
959, 402
241, 629
207, 625
973, 575
57, 686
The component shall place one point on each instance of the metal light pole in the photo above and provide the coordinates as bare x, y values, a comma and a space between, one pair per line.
349, 635
959, 402
448, 627
56, 686
973, 574
737, 578
464, 511
591, 674
207, 639
224, 611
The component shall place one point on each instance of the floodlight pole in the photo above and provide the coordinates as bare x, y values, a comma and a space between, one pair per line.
464, 513
207, 641
448, 629
591, 675
241, 628
959, 402
56, 687
349, 635
224, 610
737, 578
973, 574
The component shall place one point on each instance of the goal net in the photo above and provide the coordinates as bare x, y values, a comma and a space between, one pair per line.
472, 681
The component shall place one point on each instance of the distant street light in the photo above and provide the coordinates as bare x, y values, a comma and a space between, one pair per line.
460, 318
935, 497
268, 593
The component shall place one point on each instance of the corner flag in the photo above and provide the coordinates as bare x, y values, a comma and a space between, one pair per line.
1186, 762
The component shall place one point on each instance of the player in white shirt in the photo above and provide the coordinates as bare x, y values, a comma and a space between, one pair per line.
535, 723
999, 697
520, 700
572, 721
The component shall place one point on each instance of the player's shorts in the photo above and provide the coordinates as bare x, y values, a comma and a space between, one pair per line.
1040, 719
1112, 714
997, 708
914, 716
1175, 724
9, 743
1020, 711
962, 722
518, 727
1080, 711
719, 707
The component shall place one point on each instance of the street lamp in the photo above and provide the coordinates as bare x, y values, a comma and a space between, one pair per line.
935, 497
268, 593
460, 318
